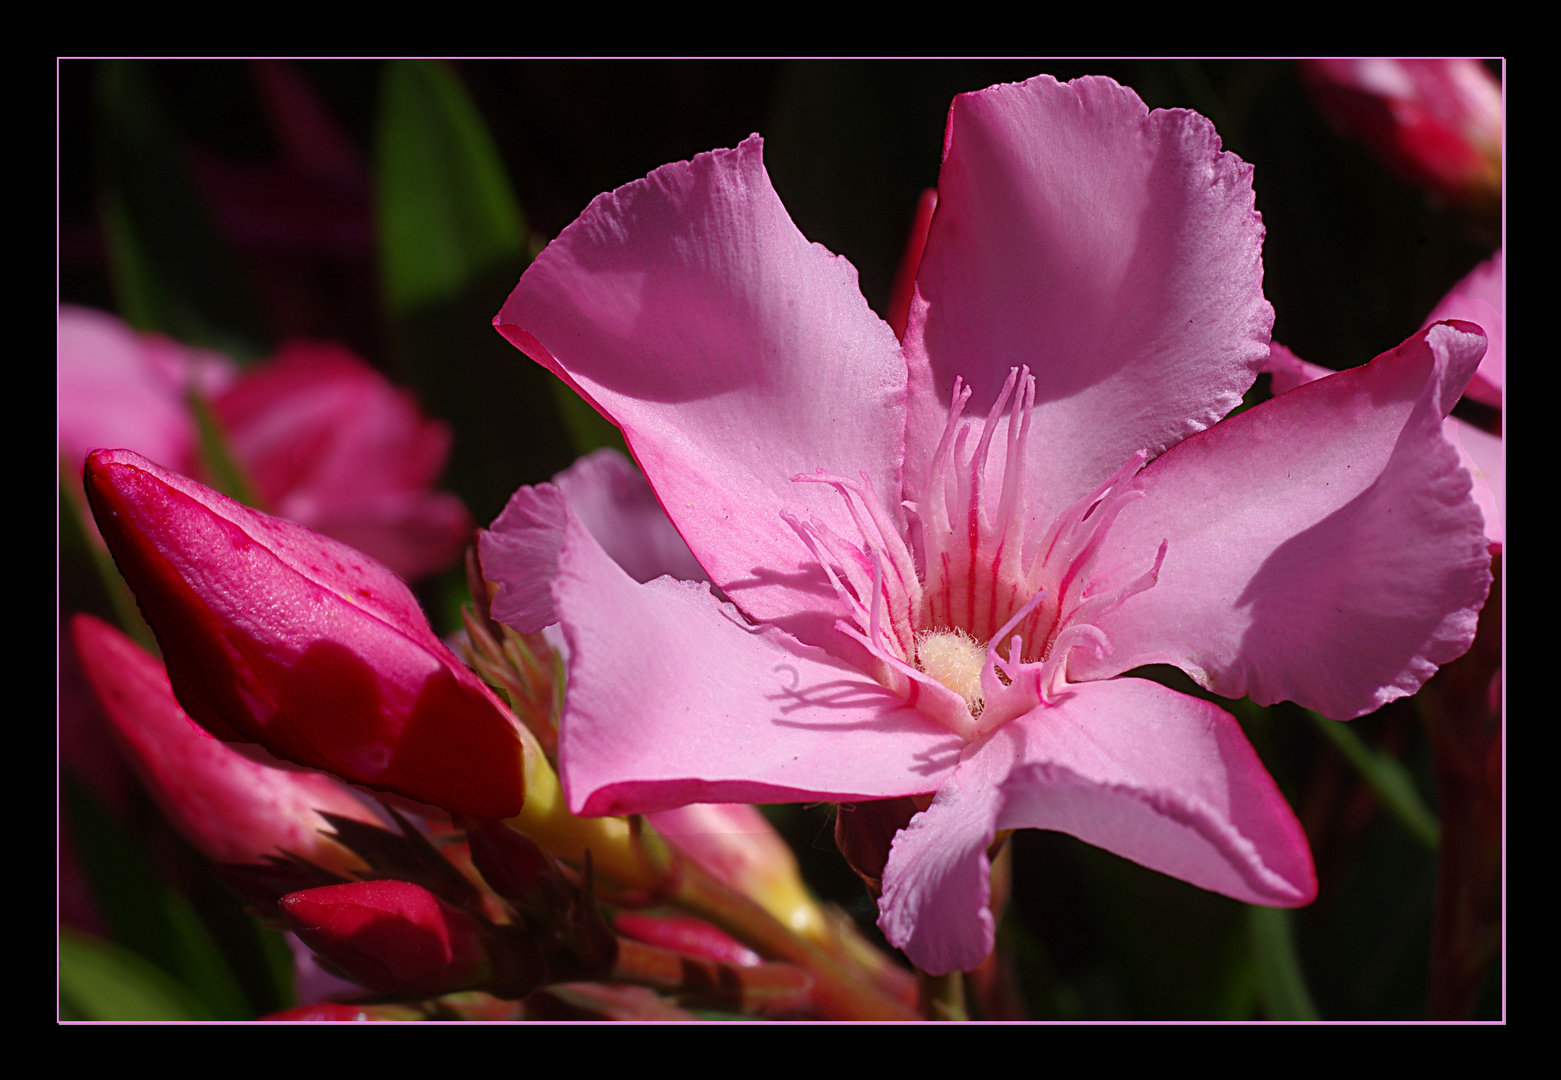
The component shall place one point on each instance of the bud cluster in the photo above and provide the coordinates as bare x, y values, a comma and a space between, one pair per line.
305, 655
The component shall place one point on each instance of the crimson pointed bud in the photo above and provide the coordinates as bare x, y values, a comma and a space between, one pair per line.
276, 635
393, 937
233, 809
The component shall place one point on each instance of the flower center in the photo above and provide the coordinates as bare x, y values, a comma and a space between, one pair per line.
956, 660
978, 570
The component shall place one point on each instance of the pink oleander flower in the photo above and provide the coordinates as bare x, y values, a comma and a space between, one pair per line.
1435, 122
326, 440
937, 564
233, 809
276, 635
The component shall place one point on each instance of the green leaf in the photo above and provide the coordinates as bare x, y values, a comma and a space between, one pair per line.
278, 965
446, 211
1281, 984
145, 915
1387, 777
99, 981
452, 245
223, 469
171, 272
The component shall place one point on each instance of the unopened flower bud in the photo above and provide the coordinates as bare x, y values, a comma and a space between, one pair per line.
233, 809
276, 635
738, 845
681, 934
520, 871
391, 936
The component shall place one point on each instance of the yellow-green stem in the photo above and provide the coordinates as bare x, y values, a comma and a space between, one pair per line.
837, 993
943, 996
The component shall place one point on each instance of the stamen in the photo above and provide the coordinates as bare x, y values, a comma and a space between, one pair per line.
982, 580
881, 603
1053, 669
1018, 437
973, 525
876, 618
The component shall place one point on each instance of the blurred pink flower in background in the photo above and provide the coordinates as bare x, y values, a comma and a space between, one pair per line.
325, 440
330, 444
1479, 298
117, 388
1435, 122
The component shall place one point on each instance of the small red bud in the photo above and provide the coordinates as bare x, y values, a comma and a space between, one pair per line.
391, 936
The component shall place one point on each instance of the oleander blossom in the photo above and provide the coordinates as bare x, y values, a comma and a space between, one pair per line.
933, 565
325, 439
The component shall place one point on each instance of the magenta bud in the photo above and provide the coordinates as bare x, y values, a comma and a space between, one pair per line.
683, 934
391, 936
276, 635
233, 809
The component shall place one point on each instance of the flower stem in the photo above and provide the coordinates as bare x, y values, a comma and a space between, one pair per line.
837, 993
630, 854
943, 996
1281, 983
761, 990
1387, 777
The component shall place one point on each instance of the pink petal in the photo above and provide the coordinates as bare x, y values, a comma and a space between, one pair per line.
117, 387
615, 504
735, 355
1114, 250
1482, 454
674, 699
332, 445
1323, 547
613, 501
1478, 451
1127, 765
519, 554
904, 285
1479, 298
